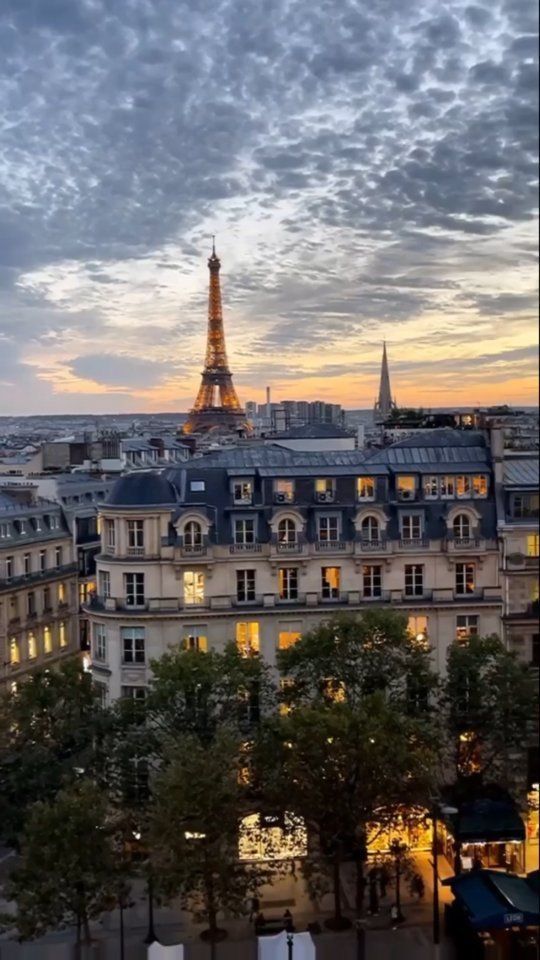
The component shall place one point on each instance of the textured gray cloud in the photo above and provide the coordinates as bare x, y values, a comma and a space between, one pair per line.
365, 165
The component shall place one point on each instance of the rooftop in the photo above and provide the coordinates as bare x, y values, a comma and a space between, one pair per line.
521, 472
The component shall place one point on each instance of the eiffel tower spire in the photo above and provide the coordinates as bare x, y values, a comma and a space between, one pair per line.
384, 404
217, 407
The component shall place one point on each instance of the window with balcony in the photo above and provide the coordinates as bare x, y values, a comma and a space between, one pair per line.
47, 640
406, 487
283, 491
27, 564
462, 527
14, 651
195, 638
104, 583
193, 588
109, 535
245, 586
330, 582
365, 488
328, 529
431, 487
289, 633
447, 488
242, 491
58, 557
134, 589
288, 583
414, 580
32, 645
193, 535
286, 531
466, 626
533, 545
135, 530
247, 638
133, 645
418, 627
244, 532
411, 526
465, 578
42, 560
8, 568
31, 604
463, 487
372, 580
370, 531
480, 485
62, 634
324, 490
100, 642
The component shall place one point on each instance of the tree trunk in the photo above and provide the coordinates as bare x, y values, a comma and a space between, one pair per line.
360, 885
337, 883
86, 927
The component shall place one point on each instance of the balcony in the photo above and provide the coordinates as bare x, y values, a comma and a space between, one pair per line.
288, 547
371, 546
135, 552
255, 601
194, 550
245, 548
37, 576
463, 543
330, 546
413, 543
519, 561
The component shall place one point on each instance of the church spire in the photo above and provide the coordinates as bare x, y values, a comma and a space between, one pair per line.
384, 404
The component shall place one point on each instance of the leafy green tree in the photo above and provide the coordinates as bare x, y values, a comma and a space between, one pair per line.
342, 769
358, 656
198, 803
71, 870
490, 700
47, 734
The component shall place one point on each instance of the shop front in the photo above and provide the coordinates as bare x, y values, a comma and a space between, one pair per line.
485, 834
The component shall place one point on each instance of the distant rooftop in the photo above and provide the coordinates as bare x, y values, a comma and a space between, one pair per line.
313, 431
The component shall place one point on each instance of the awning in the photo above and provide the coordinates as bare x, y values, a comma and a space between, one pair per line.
493, 900
486, 821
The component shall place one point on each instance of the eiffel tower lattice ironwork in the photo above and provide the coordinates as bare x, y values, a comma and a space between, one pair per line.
217, 407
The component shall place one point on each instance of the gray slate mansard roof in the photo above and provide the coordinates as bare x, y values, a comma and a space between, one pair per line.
521, 473
142, 490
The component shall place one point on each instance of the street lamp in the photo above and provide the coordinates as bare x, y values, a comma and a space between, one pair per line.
447, 812
290, 943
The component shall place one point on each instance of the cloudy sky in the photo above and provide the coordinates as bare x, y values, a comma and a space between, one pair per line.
368, 167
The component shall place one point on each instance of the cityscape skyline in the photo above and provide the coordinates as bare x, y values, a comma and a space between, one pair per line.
369, 177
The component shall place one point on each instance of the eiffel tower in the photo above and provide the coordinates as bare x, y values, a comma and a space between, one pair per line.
217, 407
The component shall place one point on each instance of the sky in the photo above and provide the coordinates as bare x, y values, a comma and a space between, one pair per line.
368, 168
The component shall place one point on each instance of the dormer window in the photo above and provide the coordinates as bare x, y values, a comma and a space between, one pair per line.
193, 535
463, 487
243, 491
5, 531
37, 524
23, 530
324, 490
406, 487
480, 486
197, 486
283, 491
431, 488
462, 527
365, 488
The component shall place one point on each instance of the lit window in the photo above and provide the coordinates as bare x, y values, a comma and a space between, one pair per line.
242, 491
133, 644
245, 586
334, 690
372, 580
462, 527
466, 626
328, 529
431, 488
287, 638
365, 488
100, 642
134, 589
418, 627
62, 634
47, 640
465, 578
414, 580
61, 593
32, 645
324, 489
194, 638
283, 491
288, 583
480, 486
533, 545
406, 487
193, 587
447, 488
247, 637
463, 487
331, 578
14, 651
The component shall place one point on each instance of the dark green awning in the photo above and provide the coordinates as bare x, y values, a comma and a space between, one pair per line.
486, 821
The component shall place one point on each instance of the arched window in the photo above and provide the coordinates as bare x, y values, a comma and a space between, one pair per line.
192, 534
370, 528
286, 531
462, 526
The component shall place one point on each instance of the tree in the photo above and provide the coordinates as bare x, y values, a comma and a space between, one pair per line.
344, 768
490, 700
355, 656
47, 732
70, 869
198, 804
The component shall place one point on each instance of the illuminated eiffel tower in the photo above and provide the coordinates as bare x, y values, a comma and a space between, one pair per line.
217, 408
